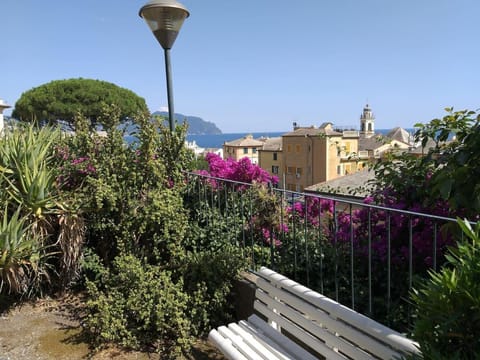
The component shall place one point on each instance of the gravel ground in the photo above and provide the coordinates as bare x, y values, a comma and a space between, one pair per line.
50, 329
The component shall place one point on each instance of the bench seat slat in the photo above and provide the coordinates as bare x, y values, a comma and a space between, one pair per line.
276, 342
236, 346
305, 337
326, 337
225, 346
350, 338
239, 343
371, 327
251, 336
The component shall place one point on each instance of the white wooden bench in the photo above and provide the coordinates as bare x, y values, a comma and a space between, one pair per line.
303, 324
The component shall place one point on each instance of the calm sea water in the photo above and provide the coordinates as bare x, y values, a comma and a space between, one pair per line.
216, 141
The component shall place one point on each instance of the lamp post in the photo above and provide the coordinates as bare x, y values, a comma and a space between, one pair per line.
165, 18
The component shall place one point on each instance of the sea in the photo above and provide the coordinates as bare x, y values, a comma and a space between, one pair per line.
216, 141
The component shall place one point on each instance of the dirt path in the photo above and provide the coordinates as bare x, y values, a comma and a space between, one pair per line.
50, 329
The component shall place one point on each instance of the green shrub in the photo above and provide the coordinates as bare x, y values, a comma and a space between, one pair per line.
130, 193
138, 305
448, 305
209, 278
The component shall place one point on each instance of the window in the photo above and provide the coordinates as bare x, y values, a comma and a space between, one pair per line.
339, 169
290, 170
254, 150
298, 148
274, 156
298, 172
274, 169
289, 148
245, 150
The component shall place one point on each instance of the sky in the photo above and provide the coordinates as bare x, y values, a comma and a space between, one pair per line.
258, 65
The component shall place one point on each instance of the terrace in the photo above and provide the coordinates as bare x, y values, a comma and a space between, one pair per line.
158, 240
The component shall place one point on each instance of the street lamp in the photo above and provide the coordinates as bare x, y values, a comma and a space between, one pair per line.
165, 18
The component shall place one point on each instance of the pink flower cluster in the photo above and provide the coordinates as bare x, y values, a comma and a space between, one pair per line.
380, 224
74, 169
313, 210
397, 225
242, 170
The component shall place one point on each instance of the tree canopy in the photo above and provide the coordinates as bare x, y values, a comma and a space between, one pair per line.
64, 99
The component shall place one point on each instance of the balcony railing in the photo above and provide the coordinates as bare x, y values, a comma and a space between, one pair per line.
365, 256
344, 155
350, 133
363, 154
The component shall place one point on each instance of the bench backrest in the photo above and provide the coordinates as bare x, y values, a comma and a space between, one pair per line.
324, 325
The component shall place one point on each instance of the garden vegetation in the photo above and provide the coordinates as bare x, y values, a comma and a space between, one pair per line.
157, 247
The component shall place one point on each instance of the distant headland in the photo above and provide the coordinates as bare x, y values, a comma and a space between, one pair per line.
196, 125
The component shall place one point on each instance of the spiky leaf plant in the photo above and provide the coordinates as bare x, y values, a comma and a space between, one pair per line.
20, 254
25, 156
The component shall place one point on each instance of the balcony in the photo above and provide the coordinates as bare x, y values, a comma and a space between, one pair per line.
344, 155
362, 255
363, 154
350, 134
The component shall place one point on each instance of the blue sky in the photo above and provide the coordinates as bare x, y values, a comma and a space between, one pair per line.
258, 65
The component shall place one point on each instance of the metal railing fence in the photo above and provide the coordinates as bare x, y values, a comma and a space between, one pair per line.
363, 255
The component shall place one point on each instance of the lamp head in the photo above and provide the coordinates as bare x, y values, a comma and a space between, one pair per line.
165, 18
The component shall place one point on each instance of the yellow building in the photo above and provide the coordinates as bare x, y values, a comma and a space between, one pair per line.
244, 147
270, 158
312, 155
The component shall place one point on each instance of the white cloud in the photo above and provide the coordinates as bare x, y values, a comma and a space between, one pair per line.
163, 108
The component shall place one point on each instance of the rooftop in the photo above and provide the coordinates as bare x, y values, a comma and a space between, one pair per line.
345, 184
324, 129
400, 134
273, 144
245, 141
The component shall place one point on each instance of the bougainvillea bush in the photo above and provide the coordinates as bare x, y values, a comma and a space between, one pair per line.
242, 170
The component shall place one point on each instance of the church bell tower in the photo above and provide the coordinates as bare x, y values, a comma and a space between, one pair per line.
367, 122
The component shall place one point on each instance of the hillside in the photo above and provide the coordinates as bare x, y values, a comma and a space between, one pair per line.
196, 125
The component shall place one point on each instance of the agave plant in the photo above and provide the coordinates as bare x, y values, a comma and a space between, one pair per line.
27, 174
20, 253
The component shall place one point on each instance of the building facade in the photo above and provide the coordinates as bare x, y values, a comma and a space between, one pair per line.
313, 155
270, 158
244, 147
